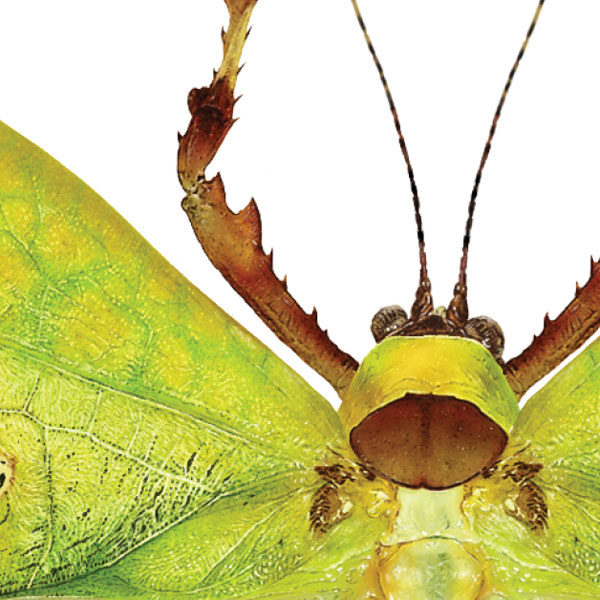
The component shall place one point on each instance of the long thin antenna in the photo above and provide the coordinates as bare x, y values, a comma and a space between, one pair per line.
413, 186
462, 276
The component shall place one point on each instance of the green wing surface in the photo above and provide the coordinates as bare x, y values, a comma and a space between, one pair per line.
149, 446
538, 514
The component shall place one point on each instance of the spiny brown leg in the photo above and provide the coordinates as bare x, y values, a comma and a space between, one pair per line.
559, 338
233, 241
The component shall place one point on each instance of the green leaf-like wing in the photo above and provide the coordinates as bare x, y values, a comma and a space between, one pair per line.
538, 511
149, 445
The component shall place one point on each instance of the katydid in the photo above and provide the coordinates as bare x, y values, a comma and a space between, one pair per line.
151, 447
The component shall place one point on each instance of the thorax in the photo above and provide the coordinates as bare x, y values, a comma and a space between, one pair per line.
429, 552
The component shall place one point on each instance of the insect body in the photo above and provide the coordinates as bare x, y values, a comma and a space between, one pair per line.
150, 447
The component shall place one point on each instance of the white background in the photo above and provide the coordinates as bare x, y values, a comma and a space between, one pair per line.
102, 87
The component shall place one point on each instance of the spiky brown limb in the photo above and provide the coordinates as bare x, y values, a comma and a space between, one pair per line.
233, 242
559, 338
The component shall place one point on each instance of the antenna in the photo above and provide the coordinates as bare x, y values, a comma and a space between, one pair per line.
457, 308
424, 284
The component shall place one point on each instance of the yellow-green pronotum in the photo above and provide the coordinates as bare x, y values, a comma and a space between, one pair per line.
150, 447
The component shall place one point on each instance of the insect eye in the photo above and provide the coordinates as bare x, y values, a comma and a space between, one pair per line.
486, 331
386, 321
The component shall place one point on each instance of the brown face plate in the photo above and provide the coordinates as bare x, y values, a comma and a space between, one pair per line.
429, 441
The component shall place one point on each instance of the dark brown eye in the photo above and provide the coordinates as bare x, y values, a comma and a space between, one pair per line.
487, 331
386, 321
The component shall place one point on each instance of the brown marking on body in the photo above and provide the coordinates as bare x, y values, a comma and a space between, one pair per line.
7, 473
336, 474
331, 503
529, 504
326, 509
521, 471
531, 507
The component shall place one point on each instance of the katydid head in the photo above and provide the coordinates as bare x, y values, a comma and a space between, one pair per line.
429, 406
392, 321
454, 321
